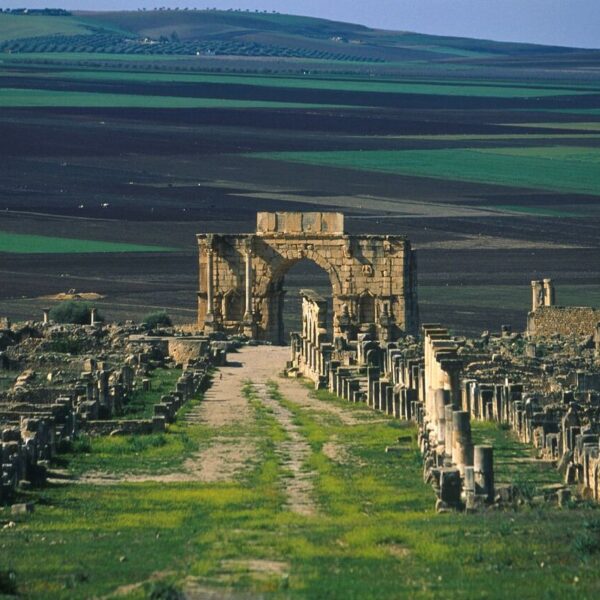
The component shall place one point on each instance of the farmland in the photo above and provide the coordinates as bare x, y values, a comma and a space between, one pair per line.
569, 169
480, 152
18, 243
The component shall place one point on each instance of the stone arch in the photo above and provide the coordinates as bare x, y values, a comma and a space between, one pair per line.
372, 276
270, 292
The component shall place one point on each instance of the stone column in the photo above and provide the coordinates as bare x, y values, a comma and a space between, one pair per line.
46, 312
93, 316
537, 294
448, 423
549, 295
462, 447
210, 317
483, 462
249, 312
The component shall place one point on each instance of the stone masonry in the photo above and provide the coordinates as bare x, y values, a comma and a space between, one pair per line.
373, 277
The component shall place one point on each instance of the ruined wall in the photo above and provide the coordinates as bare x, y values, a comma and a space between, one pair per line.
183, 350
564, 320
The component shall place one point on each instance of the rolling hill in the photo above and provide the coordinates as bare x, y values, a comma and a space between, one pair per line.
235, 33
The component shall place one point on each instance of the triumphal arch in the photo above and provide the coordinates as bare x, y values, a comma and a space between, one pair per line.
373, 277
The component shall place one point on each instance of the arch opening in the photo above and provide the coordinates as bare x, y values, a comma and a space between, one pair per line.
301, 274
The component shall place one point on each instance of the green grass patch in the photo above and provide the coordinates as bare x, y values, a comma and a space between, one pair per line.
141, 404
13, 27
559, 168
476, 89
515, 297
590, 126
514, 462
30, 98
21, 243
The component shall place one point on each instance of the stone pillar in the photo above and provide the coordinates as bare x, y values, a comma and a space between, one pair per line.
442, 397
46, 312
549, 295
448, 424
249, 328
597, 340
483, 462
462, 447
537, 294
210, 317
93, 315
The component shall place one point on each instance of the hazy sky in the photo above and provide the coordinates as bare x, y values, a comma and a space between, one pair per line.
560, 22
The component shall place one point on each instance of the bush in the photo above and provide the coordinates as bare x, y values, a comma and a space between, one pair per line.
158, 318
72, 311
588, 541
8, 583
161, 590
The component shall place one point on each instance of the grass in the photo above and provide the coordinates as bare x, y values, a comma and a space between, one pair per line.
591, 126
375, 535
141, 404
21, 243
30, 98
334, 84
513, 461
561, 168
13, 27
516, 297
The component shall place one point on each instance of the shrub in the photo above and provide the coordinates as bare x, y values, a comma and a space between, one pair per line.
588, 542
161, 590
158, 318
72, 311
8, 583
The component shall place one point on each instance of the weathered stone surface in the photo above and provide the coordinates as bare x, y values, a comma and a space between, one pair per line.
372, 277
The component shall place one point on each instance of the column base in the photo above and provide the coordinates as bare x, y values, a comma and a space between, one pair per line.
249, 328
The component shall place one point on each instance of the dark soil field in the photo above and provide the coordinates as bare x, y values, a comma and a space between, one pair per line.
157, 176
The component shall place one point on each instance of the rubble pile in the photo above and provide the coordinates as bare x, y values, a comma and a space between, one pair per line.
57, 381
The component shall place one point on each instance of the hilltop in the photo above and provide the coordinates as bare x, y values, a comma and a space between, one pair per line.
255, 34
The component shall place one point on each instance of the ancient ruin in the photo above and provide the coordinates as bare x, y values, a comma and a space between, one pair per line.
241, 277
544, 384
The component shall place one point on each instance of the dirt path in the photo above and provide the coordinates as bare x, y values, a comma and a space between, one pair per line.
293, 453
296, 392
230, 453
223, 405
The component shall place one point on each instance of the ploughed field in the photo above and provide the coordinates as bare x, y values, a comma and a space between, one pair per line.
110, 165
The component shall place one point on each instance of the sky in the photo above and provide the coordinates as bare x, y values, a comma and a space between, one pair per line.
557, 22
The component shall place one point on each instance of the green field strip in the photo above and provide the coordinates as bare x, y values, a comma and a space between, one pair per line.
576, 136
356, 85
21, 243
570, 169
77, 57
577, 211
28, 98
514, 297
590, 126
